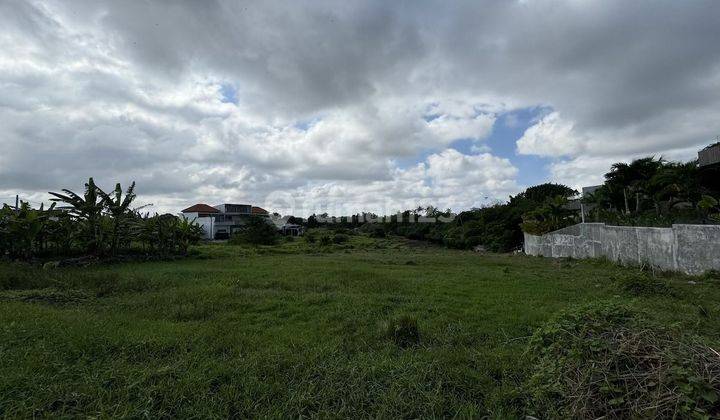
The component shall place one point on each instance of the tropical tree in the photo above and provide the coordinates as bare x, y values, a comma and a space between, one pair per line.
87, 208
187, 232
119, 208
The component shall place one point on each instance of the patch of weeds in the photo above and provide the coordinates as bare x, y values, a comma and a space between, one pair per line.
403, 331
606, 360
340, 238
47, 296
712, 275
191, 311
643, 284
19, 276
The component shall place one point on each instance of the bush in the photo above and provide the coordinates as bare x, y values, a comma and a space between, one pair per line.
325, 241
258, 231
606, 360
340, 238
641, 284
374, 230
310, 237
404, 331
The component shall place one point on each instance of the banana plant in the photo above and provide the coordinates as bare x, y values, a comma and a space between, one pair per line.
119, 208
87, 208
188, 232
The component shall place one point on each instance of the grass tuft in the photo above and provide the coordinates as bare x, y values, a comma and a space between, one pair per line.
404, 331
643, 284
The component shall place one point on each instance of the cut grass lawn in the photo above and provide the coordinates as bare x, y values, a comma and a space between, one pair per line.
299, 330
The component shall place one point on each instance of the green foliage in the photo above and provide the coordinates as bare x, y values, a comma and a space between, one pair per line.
257, 231
606, 360
552, 215
325, 240
96, 223
711, 206
340, 238
654, 192
403, 331
643, 284
310, 237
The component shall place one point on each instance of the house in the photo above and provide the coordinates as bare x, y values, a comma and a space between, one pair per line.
709, 156
285, 226
223, 220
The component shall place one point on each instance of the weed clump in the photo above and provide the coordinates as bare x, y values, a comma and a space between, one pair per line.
340, 238
711, 275
642, 284
605, 360
404, 331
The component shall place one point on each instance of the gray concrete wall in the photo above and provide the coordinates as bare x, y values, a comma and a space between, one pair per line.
692, 249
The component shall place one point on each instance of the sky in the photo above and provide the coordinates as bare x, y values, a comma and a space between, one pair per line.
346, 106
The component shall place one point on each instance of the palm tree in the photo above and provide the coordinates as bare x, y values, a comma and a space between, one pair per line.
119, 209
88, 208
633, 178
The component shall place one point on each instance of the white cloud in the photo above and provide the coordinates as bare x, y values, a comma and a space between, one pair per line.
449, 128
551, 136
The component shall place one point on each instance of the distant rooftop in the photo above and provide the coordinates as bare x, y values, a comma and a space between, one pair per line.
201, 208
259, 211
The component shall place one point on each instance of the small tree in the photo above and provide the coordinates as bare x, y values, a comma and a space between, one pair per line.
87, 208
119, 209
260, 231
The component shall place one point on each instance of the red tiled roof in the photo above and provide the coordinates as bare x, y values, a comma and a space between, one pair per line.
258, 211
201, 208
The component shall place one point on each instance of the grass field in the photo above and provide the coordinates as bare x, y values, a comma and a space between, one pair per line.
299, 331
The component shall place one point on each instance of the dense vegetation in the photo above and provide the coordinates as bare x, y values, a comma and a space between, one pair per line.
497, 227
655, 192
95, 223
371, 327
645, 192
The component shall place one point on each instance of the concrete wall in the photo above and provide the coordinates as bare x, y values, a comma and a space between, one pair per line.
692, 249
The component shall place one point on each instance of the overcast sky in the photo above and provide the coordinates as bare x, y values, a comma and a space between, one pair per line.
345, 105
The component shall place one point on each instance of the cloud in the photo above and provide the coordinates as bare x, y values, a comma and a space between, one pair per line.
326, 98
551, 136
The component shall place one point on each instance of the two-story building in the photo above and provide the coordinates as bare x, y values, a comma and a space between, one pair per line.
223, 220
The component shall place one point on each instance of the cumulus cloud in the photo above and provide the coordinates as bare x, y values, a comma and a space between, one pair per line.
551, 136
329, 97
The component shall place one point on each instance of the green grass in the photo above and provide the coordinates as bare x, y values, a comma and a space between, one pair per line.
299, 330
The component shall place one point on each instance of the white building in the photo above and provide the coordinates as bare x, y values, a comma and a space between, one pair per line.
223, 220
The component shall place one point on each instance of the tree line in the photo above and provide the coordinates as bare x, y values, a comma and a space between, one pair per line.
655, 192
93, 223
645, 192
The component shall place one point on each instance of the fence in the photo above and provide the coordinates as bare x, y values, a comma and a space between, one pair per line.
692, 249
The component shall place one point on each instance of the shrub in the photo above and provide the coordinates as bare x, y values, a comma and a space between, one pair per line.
310, 237
606, 360
258, 231
374, 230
642, 284
340, 238
404, 331
325, 240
